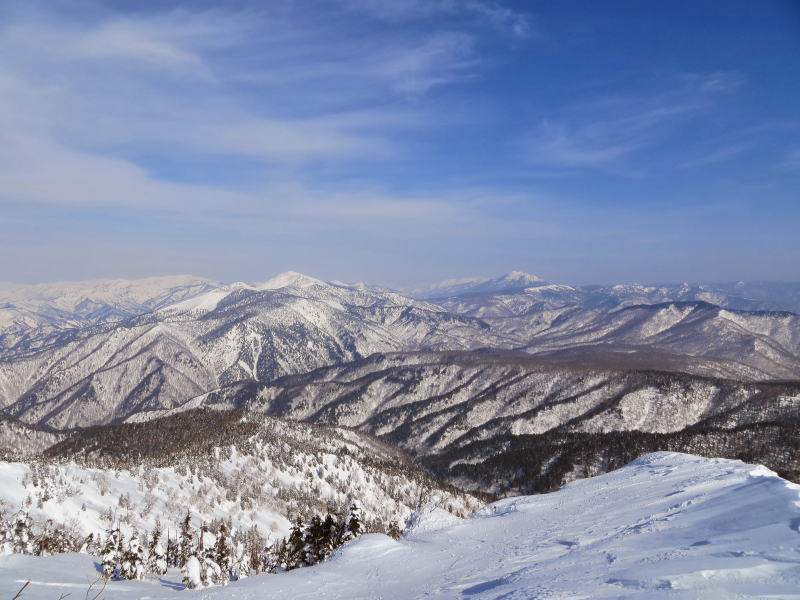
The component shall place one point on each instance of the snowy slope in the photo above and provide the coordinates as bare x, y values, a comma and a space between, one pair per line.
764, 345
255, 471
666, 526
19, 439
427, 402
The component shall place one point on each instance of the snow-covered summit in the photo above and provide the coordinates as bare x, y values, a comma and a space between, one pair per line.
477, 285
289, 279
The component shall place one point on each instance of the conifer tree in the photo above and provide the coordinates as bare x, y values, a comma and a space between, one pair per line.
172, 553
111, 554
222, 555
314, 539
89, 546
185, 541
241, 560
6, 538
330, 533
132, 565
291, 556
23, 535
255, 547
156, 558
351, 527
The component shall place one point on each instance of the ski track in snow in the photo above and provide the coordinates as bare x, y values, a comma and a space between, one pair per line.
666, 526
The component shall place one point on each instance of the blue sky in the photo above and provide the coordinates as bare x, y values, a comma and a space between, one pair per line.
400, 141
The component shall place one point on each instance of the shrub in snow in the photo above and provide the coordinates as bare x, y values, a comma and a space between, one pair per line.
191, 573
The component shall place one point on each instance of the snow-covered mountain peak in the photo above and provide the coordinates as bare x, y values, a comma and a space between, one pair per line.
289, 279
477, 285
520, 277
69, 293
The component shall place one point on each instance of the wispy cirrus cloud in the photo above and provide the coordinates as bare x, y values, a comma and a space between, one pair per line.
88, 97
791, 160
504, 18
294, 95
602, 132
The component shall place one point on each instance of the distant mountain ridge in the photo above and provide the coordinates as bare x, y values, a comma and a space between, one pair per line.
514, 280
293, 324
492, 299
34, 310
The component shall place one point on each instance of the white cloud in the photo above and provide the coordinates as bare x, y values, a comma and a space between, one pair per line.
603, 132
791, 160
495, 14
83, 97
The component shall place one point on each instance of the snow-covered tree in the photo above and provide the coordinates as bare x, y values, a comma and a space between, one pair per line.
132, 563
6, 537
352, 525
185, 546
394, 530
191, 573
53, 539
22, 537
156, 557
222, 555
293, 549
111, 554
241, 566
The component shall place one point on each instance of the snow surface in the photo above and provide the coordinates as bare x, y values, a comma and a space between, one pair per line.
666, 526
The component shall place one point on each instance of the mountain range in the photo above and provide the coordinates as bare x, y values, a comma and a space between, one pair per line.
465, 369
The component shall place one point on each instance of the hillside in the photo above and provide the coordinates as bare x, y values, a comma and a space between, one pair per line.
667, 525
471, 416
253, 470
294, 324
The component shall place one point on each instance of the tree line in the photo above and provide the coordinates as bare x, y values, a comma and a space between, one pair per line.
212, 554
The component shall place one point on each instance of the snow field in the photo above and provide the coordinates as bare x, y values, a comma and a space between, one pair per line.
666, 526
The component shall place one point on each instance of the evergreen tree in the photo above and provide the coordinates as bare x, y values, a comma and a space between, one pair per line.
132, 565
173, 552
255, 547
241, 560
222, 555
53, 539
291, 556
89, 545
274, 557
351, 527
6, 537
156, 557
111, 553
185, 541
330, 533
22, 538
314, 538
